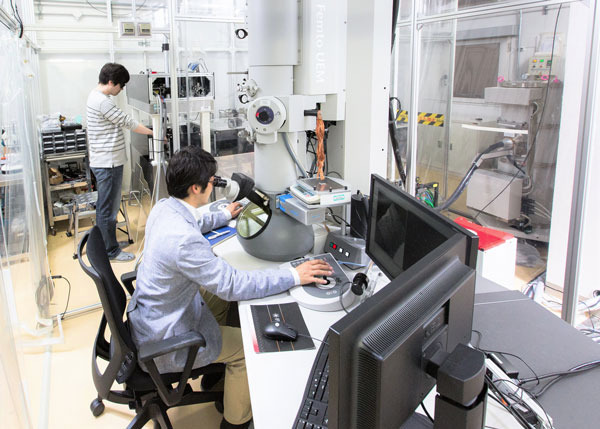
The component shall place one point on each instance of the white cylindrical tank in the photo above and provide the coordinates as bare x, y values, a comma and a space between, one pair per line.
274, 169
273, 32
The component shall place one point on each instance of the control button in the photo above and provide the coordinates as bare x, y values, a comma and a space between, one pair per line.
340, 250
331, 244
347, 254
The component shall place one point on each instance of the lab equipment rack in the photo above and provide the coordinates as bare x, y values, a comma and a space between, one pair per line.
58, 147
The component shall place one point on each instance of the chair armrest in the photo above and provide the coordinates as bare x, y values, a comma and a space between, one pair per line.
127, 279
190, 340
152, 350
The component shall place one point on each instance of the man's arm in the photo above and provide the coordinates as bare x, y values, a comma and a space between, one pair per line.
115, 115
141, 129
198, 263
212, 220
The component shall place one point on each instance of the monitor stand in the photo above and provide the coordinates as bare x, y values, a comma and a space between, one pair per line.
461, 390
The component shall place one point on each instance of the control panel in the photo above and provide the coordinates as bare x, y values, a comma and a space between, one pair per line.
539, 66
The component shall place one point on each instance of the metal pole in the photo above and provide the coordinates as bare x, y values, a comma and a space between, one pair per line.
412, 147
174, 53
588, 128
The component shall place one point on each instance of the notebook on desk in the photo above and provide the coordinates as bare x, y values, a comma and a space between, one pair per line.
288, 313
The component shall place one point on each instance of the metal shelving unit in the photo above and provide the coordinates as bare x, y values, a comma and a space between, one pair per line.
47, 161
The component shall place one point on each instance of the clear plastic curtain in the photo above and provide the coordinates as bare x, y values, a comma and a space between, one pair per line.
23, 246
24, 289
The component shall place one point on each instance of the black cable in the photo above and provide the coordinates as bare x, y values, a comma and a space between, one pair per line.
342, 296
330, 172
62, 315
427, 412
313, 338
467, 177
500, 397
16, 15
554, 289
540, 122
480, 335
574, 370
394, 140
532, 397
339, 221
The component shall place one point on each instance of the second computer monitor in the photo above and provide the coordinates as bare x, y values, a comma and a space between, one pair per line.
402, 231
378, 352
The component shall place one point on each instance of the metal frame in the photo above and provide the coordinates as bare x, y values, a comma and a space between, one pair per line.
588, 128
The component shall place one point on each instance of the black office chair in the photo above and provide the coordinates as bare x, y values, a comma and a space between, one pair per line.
150, 394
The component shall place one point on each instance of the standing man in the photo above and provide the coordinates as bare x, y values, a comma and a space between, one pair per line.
107, 152
182, 286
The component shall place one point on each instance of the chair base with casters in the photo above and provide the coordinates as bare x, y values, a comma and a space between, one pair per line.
150, 393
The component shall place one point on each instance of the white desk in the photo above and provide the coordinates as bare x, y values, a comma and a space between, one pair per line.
277, 380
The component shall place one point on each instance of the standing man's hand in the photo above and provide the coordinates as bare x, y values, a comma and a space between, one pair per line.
309, 270
234, 209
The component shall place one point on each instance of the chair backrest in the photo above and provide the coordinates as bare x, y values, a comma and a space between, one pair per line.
111, 292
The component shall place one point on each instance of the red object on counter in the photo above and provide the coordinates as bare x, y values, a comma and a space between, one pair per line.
488, 237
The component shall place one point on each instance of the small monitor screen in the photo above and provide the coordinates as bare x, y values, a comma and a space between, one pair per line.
400, 234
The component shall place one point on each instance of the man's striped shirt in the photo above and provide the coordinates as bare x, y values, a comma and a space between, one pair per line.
105, 138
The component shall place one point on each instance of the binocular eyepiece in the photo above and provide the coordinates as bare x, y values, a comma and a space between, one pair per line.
219, 182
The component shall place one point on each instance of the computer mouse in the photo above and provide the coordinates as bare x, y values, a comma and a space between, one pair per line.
279, 331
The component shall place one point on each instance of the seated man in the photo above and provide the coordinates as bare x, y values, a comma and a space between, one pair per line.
181, 283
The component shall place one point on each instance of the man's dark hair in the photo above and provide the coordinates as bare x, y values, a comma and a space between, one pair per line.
191, 165
115, 72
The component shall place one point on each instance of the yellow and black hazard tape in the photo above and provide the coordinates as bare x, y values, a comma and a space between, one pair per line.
433, 119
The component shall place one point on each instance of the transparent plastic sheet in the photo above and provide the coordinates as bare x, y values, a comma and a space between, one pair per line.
24, 291
459, 61
23, 250
436, 50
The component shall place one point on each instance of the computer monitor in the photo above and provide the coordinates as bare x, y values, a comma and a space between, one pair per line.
378, 351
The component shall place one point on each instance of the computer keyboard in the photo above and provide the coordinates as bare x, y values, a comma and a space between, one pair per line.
313, 410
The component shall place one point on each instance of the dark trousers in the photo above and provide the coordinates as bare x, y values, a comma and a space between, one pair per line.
108, 185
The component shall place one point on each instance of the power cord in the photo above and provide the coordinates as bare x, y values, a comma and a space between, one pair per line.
342, 295
62, 315
427, 412
313, 338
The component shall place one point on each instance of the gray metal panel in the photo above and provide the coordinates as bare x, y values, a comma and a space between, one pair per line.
137, 88
488, 33
509, 322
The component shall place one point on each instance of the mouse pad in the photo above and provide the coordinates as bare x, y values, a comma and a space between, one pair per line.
288, 313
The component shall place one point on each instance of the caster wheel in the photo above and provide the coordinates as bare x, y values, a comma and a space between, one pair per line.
219, 406
97, 407
53, 231
130, 241
74, 256
68, 234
